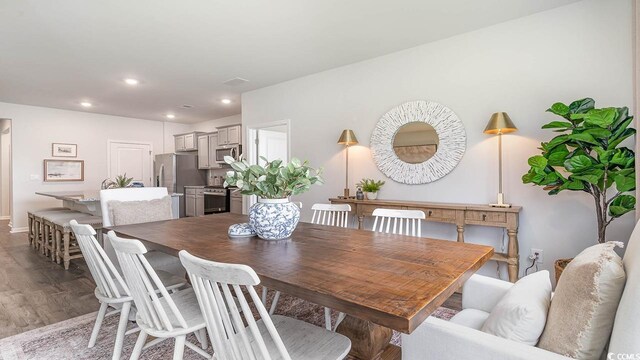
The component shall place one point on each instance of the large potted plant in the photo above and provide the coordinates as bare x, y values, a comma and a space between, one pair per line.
274, 216
587, 156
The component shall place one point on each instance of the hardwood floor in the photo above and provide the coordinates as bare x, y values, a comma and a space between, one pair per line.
35, 292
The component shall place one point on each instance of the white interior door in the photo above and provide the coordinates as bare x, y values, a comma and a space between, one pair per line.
272, 145
133, 159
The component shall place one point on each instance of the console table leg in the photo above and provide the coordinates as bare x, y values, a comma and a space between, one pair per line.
512, 253
460, 233
368, 340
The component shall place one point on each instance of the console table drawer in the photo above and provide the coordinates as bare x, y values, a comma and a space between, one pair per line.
437, 214
367, 210
486, 216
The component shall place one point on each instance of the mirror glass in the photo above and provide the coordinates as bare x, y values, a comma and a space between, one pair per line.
415, 142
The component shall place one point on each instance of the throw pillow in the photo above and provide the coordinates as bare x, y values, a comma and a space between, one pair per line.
522, 313
584, 305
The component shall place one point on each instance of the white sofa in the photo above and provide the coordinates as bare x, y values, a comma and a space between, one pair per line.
460, 338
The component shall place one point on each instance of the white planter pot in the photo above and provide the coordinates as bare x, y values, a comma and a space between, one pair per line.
274, 219
371, 195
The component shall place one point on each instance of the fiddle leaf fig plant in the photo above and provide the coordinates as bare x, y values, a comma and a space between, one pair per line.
273, 180
587, 156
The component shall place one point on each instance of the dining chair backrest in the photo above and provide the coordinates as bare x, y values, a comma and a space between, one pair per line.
108, 280
331, 214
216, 285
147, 290
127, 194
402, 222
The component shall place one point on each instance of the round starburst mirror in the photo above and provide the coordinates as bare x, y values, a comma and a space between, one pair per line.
418, 142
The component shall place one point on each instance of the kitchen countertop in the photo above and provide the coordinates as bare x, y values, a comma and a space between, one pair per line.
194, 187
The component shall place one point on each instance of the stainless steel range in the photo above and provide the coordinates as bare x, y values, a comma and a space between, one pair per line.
216, 200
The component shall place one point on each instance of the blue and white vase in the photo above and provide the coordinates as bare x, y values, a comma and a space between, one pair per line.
274, 219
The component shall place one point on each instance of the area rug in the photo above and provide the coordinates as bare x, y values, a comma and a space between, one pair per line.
68, 339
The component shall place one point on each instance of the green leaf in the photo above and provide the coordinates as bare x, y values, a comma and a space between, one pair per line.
625, 183
623, 157
538, 162
557, 156
583, 137
581, 106
622, 205
559, 109
598, 133
591, 176
557, 125
601, 117
556, 141
578, 163
616, 140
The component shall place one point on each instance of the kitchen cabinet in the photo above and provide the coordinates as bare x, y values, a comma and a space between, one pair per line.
207, 144
186, 142
236, 203
213, 144
194, 202
203, 152
230, 135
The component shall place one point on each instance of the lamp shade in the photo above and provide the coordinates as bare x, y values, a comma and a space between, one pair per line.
500, 123
347, 137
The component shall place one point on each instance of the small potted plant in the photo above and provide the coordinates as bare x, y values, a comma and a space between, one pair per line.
370, 188
587, 156
274, 216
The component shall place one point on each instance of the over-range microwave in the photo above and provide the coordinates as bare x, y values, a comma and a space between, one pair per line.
233, 150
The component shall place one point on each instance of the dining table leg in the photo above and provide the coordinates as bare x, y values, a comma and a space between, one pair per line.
368, 340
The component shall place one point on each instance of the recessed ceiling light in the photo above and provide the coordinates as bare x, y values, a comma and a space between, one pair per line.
86, 104
131, 81
171, 116
226, 101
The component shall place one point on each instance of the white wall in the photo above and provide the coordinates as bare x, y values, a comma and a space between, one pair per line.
35, 128
522, 67
5, 168
211, 125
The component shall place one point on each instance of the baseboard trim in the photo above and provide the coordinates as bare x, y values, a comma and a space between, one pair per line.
19, 230
5, 217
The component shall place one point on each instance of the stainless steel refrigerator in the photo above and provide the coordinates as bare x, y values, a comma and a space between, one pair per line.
175, 171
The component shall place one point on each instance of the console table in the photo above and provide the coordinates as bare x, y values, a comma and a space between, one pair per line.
458, 214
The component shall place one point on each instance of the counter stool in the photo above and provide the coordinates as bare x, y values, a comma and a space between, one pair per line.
36, 230
49, 221
66, 247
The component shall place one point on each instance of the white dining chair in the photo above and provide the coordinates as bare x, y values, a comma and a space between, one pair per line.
323, 214
111, 290
236, 335
402, 222
159, 313
158, 260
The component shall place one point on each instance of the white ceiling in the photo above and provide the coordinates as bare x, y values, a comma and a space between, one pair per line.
59, 53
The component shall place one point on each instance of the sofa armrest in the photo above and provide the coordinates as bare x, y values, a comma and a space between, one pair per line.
483, 292
442, 340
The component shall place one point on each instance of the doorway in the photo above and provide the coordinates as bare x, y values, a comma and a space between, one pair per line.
5, 170
271, 141
131, 158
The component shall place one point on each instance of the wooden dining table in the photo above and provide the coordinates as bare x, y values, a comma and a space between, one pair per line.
381, 281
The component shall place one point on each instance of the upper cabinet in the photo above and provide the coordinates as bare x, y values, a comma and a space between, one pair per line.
187, 142
207, 144
230, 135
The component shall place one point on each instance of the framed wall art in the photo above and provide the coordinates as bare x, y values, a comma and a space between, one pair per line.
63, 170
64, 150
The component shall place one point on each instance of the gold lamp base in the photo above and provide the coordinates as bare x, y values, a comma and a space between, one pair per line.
500, 203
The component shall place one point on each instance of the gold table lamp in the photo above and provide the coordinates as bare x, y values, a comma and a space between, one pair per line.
347, 138
499, 124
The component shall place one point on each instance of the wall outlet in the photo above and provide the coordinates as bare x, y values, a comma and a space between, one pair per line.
540, 256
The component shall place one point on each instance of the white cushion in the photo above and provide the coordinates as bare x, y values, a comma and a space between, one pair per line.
138, 212
584, 304
626, 329
522, 313
470, 318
